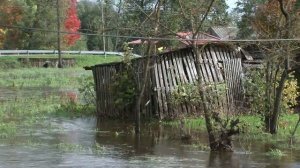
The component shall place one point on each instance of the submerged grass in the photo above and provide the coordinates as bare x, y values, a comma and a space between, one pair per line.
189, 123
70, 147
275, 153
8, 130
34, 107
41, 77
252, 129
31, 111
23, 109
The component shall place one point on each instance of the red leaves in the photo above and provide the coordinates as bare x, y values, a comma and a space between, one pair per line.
72, 24
10, 12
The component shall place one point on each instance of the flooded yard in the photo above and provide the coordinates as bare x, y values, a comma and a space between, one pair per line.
32, 137
84, 143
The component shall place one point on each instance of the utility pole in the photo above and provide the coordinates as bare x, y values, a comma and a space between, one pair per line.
103, 22
58, 34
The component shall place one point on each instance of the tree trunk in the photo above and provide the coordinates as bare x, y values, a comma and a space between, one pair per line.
141, 92
268, 96
286, 54
277, 102
58, 35
297, 124
224, 141
211, 137
146, 70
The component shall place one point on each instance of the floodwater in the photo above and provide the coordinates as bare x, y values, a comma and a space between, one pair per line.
118, 147
88, 143
11, 93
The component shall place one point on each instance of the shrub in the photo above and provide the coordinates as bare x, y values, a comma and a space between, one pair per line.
124, 85
255, 89
87, 90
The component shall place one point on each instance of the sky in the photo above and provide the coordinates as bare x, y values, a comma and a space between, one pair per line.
231, 4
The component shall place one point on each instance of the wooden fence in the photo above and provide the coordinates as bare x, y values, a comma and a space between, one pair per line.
220, 67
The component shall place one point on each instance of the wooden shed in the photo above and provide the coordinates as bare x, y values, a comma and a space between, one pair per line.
219, 64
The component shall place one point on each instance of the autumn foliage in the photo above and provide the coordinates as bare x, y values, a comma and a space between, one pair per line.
72, 24
2, 37
269, 20
10, 14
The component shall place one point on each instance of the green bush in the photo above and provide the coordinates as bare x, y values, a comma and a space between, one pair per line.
87, 90
185, 93
124, 85
189, 93
255, 88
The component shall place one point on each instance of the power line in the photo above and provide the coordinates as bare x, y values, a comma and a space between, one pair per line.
151, 38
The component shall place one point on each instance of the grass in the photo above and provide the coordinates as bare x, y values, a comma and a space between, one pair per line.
7, 130
189, 123
90, 60
11, 62
252, 127
275, 153
200, 146
41, 77
69, 147
14, 75
32, 109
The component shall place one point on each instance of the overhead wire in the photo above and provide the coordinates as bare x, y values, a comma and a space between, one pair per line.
150, 38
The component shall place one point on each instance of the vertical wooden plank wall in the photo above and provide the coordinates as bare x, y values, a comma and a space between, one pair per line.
233, 73
103, 77
167, 72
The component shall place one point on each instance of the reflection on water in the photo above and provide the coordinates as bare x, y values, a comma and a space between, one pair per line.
156, 147
88, 143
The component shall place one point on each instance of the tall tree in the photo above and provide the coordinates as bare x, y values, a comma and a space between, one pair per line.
45, 19
277, 19
246, 9
2, 37
91, 22
14, 14
219, 139
148, 53
72, 24
195, 19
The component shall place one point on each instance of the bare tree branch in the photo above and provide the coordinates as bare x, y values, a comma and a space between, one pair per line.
203, 19
149, 17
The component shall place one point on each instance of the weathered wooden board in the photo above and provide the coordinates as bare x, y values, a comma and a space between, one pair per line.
233, 78
218, 65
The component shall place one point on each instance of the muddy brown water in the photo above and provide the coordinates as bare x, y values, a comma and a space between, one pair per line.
156, 147
86, 142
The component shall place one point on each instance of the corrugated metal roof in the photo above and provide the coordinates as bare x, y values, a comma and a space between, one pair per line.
139, 41
224, 32
183, 37
202, 37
